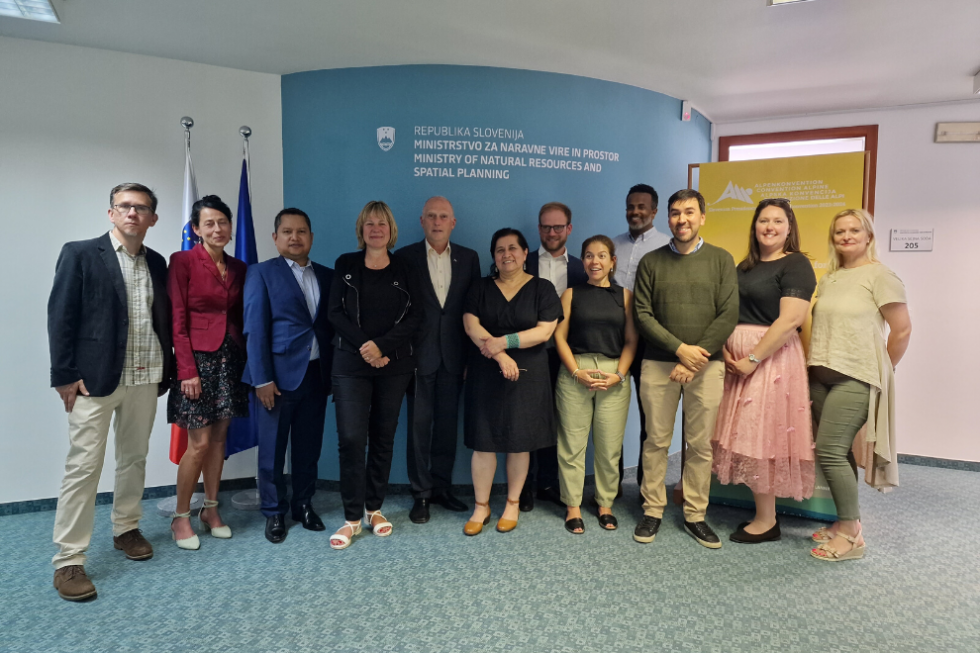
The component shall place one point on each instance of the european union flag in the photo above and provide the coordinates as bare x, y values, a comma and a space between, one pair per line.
243, 432
187, 237
245, 240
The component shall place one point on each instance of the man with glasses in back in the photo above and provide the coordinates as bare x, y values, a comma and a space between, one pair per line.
552, 262
109, 332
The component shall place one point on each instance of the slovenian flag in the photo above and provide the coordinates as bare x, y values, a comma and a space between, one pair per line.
178, 435
187, 236
243, 432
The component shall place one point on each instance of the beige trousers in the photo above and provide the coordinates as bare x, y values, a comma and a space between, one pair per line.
604, 413
135, 408
660, 396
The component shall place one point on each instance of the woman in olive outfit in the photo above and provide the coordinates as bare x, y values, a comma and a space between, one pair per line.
852, 375
596, 342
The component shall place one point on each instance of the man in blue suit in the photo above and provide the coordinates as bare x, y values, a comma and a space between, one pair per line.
289, 356
552, 262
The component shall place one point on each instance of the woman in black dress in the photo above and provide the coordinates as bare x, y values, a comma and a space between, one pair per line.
509, 406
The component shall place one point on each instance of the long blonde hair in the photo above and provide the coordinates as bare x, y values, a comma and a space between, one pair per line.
867, 221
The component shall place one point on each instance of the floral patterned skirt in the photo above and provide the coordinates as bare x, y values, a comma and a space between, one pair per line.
763, 436
223, 395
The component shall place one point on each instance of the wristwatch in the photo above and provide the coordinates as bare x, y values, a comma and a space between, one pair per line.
622, 377
753, 359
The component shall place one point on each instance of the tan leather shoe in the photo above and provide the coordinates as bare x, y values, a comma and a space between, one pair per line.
134, 545
475, 527
507, 525
72, 583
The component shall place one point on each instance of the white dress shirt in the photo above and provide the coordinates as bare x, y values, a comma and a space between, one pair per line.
306, 278
440, 270
630, 250
554, 268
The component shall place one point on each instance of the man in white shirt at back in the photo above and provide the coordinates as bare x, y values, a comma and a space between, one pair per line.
641, 239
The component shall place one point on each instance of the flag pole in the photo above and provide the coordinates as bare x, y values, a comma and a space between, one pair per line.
187, 122
248, 499
246, 131
178, 436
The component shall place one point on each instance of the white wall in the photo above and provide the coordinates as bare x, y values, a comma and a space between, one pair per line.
74, 122
924, 185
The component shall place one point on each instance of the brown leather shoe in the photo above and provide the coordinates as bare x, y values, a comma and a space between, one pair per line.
507, 525
474, 527
134, 545
72, 583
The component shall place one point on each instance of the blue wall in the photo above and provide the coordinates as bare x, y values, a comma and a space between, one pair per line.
333, 163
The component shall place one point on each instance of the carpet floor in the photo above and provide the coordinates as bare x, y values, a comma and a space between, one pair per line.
428, 588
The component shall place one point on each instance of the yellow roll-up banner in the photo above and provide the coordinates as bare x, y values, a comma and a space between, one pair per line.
818, 187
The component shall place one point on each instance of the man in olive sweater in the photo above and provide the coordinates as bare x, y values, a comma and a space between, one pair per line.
686, 304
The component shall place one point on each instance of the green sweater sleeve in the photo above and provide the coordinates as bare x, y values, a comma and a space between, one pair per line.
722, 326
646, 322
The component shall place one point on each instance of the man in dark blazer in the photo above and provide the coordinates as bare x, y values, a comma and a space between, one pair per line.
552, 262
109, 333
289, 355
446, 271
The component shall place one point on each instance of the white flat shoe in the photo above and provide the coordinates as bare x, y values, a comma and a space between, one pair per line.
221, 532
192, 543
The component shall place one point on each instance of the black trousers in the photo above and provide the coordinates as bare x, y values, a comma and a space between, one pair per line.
635, 370
300, 412
367, 416
433, 419
543, 469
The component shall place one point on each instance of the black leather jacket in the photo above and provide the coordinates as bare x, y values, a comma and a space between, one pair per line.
345, 307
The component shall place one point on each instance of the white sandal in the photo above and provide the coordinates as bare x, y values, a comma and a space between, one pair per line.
823, 534
355, 529
192, 543
830, 554
221, 532
382, 529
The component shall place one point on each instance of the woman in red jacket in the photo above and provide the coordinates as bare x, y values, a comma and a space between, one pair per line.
205, 288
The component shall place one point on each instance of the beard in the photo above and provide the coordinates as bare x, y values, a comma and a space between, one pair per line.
553, 246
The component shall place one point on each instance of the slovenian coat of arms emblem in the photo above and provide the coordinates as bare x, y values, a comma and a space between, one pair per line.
386, 138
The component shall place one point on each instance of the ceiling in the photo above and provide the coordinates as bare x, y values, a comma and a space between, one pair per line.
733, 59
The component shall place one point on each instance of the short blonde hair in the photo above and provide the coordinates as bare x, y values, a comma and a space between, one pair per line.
867, 221
381, 210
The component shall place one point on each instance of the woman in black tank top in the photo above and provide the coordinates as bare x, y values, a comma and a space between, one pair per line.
596, 342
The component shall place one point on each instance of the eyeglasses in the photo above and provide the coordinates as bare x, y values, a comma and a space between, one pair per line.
557, 228
124, 209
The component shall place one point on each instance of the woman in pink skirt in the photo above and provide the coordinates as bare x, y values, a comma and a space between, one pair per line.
763, 436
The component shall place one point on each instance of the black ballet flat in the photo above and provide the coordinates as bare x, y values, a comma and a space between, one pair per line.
574, 523
740, 536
